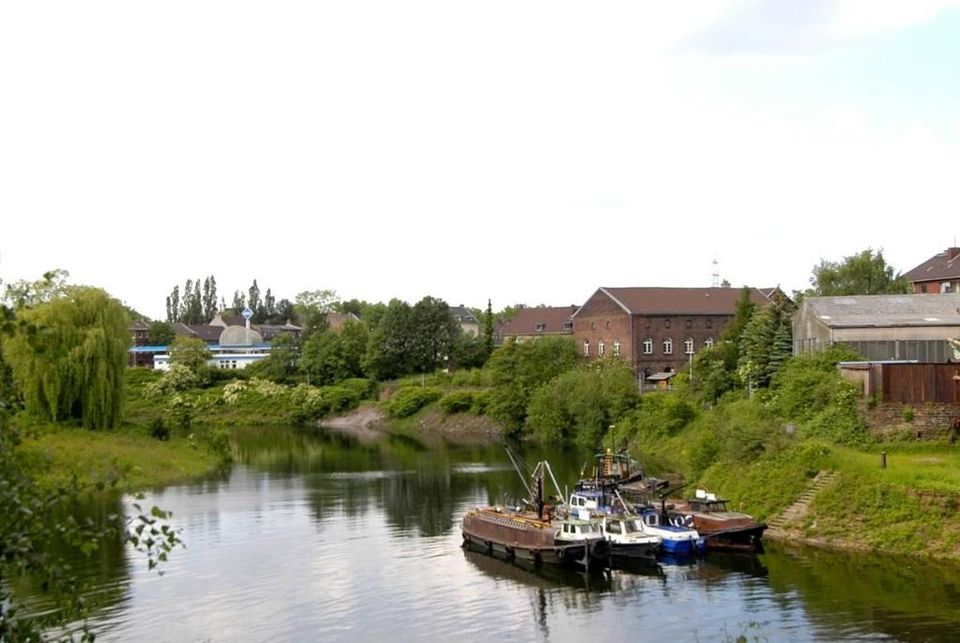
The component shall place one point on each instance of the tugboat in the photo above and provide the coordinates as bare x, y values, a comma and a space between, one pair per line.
629, 539
533, 533
722, 528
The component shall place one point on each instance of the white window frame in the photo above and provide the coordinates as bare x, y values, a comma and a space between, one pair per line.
586, 348
708, 342
688, 346
601, 347
616, 347
667, 346
648, 346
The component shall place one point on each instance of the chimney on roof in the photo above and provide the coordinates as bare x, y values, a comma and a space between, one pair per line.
725, 284
952, 253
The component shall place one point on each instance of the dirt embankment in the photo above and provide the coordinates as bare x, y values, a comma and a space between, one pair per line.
370, 423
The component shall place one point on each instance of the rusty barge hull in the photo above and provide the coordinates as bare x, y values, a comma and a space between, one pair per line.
521, 536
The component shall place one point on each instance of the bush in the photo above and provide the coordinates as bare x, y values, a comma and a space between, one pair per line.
481, 400
908, 414
407, 401
159, 430
456, 402
364, 389
177, 378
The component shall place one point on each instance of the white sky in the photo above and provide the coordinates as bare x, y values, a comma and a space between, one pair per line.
528, 152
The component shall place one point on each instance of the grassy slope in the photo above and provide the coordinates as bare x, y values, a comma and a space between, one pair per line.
56, 453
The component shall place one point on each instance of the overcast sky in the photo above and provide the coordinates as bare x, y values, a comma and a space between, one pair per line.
527, 152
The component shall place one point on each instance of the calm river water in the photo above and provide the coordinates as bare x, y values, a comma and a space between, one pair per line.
317, 537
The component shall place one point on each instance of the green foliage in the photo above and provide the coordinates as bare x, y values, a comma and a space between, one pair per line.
468, 352
580, 404
407, 401
363, 388
27, 294
329, 356
192, 353
864, 273
178, 377
488, 329
34, 519
518, 369
809, 390
765, 343
387, 355
456, 402
658, 416
736, 434
160, 334
282, 362
908, 413
69, 358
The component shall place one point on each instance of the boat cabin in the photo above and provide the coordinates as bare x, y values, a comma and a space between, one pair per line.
578, 530
707, 502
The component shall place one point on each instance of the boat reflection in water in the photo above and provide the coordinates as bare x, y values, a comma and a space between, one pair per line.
529, 573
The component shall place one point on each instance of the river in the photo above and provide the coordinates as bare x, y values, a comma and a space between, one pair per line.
315, 536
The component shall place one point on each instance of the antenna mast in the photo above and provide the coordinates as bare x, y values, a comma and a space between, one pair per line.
716, 273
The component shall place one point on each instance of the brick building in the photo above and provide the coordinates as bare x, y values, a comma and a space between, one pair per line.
657, 329
938, 274
539, 321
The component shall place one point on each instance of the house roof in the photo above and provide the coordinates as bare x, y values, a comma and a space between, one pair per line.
206, 332
865, 311
463, 315
681, 301
945, 265
527, 321
139, 324
336, 320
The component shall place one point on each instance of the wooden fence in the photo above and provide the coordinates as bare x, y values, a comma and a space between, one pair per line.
914, 383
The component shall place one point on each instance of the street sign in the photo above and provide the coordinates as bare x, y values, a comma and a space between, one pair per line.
247, 314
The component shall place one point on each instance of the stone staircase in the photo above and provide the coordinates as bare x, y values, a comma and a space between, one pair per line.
795, 512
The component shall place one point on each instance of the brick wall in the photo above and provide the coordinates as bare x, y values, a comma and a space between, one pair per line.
930, 419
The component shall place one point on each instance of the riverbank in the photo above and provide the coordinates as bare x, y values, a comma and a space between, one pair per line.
369, 422
55, 454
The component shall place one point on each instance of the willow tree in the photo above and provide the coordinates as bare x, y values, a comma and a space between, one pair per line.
71, 363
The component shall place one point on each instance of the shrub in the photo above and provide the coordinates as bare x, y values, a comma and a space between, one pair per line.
456, 402
158, 429
177, 378
407, 401
908, 414
363, 388
481, 400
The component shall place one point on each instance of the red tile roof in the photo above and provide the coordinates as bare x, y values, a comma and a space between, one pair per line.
681, 301
527, 321
945, 265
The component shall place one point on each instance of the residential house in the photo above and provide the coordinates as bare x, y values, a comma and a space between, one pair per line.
658, 330
541, 321
139, 336
337, 320
938, 274
469, 323
880, 327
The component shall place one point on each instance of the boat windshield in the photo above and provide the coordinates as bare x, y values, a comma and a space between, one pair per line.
631, 526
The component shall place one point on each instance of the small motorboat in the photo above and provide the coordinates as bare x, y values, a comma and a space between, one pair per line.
723, 529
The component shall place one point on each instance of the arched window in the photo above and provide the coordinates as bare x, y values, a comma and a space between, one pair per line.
668, 346
688, 346
600, 347
708, 343
648, 346
616, 347
586, 348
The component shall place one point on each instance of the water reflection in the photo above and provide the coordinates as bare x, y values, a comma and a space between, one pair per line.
319, 536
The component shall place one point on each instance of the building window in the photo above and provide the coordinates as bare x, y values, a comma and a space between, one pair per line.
708, 343
923, 287
586, 348
666, 323
568, 325
600, 347
541, 327
946, 287
593, 325
688, 346
668, 346
689, 323
608, 324
709, 323
616, 347
648, 346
